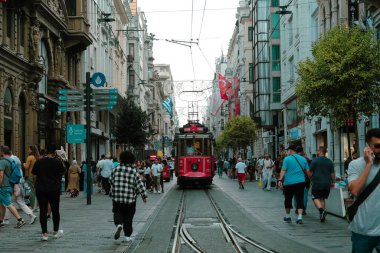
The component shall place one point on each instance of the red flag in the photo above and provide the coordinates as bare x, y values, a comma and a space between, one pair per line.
224, 85
3, 1
236, 96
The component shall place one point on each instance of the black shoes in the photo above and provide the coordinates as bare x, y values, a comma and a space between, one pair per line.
322, 216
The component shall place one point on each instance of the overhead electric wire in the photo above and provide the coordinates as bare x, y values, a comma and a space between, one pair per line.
203, 15
192, 16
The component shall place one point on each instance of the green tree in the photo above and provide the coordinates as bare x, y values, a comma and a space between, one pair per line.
131, 124
239, 133
341, 81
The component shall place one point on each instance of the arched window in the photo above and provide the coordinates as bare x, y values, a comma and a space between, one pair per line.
8, 117
42, 85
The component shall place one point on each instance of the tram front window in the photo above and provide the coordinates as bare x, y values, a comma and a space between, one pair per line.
193, 147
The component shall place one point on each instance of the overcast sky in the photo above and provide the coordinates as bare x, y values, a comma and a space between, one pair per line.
174, 20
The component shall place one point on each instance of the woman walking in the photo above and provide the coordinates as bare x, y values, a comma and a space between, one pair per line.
73, 176
33, 156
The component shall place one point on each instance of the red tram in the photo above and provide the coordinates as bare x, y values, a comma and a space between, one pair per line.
194, 155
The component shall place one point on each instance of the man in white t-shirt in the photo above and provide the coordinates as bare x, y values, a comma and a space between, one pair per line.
267, 172
156, 172
240, 171
106, 170
365, 227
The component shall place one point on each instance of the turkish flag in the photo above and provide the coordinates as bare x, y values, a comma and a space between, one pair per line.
224, 85
236, 96
3, 1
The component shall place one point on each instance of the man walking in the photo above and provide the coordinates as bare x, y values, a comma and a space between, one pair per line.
240, 171
106, 170
267, 172
156, 172
323, 176
6, 188
125, 186
49, 171
294, 183
365, 226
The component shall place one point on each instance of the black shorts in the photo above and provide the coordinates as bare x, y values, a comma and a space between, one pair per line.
320, 193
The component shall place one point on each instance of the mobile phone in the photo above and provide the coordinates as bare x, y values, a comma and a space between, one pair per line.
372, 154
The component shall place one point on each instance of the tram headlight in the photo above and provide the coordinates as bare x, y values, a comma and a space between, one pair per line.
194, 167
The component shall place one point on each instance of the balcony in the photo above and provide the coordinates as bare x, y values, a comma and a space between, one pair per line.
78, 32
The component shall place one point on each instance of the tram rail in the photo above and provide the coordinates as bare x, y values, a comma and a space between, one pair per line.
182, 236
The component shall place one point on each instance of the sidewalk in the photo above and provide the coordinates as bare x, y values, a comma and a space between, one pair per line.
267, 207
87, 228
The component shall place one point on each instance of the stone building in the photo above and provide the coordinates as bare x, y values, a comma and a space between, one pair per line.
41, 42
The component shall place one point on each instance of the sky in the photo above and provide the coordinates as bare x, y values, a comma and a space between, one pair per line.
192, 68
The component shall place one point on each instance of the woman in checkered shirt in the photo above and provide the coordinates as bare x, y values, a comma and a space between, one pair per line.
125, 186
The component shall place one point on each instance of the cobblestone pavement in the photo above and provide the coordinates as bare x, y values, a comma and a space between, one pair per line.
90, 228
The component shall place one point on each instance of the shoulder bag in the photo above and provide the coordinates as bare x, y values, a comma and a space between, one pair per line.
307, 179
352, 209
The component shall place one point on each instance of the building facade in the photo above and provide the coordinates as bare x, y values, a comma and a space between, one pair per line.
41, 43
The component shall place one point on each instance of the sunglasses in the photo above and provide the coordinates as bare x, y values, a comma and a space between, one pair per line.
376, 145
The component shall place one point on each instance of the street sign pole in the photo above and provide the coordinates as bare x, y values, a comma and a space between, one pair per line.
88, 138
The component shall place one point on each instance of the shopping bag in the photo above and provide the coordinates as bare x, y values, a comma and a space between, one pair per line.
260, 184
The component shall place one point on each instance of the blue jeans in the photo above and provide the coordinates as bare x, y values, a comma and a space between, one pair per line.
364, 243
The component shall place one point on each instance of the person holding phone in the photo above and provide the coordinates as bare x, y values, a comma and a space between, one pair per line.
365, 227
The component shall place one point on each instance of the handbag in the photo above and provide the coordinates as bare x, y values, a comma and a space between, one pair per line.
307, 179
352, 209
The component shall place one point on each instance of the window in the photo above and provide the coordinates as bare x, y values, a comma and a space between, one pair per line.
22, 30
42, 85
132, 49
131, 78
71, 7
275, 25
290, 31
250, 33
9, 23
276, 85
251, 74
276, 64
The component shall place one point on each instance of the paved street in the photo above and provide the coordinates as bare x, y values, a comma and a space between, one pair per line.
90, 228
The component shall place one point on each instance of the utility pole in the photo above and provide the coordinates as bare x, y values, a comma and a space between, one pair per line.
88, 137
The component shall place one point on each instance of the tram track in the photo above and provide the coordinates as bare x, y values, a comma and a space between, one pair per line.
183, 237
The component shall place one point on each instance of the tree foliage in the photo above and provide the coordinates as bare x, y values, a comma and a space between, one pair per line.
131, 124
239, 133
341, 81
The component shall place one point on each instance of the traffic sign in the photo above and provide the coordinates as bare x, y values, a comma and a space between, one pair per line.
98, 79
71, 100
70, 91
71, 109
104, 91
75, 133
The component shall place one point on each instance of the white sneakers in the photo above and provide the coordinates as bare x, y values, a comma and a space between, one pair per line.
32, 219
127, 239
58, 234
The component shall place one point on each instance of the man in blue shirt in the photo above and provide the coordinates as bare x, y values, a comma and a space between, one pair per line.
294, 183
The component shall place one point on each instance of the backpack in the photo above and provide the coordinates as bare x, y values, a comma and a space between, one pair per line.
15, 176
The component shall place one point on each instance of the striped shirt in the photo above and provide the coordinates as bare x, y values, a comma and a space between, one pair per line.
126, 184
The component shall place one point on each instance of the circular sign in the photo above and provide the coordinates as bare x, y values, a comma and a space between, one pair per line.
98, 79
